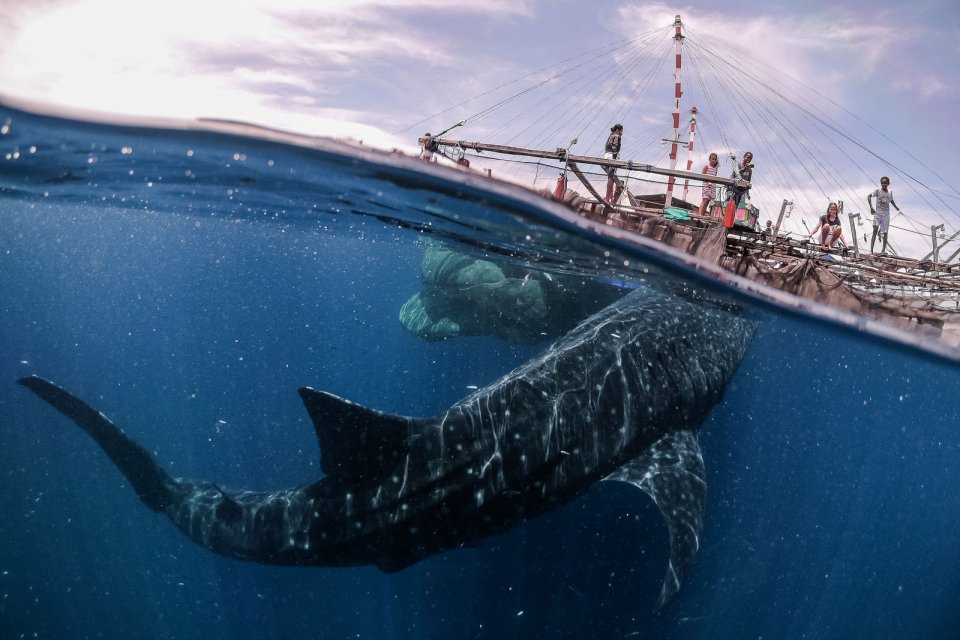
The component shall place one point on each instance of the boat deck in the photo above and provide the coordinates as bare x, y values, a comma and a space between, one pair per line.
910, 293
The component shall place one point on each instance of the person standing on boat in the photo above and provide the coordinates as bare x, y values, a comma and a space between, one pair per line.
612, 152
709, 188
743, 171
830, 223
881, 214
430, 148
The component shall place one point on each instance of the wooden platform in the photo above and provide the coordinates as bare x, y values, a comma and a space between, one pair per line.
913, 294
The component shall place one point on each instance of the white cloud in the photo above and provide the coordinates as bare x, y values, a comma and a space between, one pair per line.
280, 65
834, 50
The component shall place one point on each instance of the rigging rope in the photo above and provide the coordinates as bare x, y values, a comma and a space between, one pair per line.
794, 136
836, 128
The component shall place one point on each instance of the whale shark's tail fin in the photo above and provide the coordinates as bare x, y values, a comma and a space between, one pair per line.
671, 472
152, 484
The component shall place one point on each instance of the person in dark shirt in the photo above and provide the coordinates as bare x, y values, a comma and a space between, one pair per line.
744, 171
612, 152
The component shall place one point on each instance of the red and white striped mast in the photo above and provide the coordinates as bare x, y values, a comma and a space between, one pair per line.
693, 132
678, 38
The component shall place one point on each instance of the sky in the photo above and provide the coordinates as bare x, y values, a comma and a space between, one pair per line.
376, 70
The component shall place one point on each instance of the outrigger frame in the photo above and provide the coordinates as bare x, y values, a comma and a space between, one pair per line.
563, 155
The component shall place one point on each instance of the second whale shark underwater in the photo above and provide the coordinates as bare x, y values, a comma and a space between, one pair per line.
620, 397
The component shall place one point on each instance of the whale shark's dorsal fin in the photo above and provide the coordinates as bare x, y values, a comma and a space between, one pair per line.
671, 472
356, 443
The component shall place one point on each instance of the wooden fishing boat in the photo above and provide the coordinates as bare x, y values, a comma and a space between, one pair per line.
922, 294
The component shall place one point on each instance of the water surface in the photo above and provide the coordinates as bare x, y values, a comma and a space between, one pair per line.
187, 282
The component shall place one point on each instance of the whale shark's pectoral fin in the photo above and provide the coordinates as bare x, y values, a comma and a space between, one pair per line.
356, 443
671, 472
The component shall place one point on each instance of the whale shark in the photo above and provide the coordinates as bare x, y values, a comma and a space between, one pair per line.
620, 397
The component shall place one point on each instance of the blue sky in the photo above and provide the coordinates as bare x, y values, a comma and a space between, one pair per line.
370, 69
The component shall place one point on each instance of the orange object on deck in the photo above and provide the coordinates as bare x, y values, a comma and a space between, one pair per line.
561, 187
729, 213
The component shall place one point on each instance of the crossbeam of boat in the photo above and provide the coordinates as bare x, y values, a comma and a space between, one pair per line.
563, 155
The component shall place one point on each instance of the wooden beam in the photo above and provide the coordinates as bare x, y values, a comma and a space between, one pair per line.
586, 183
942, 245
561, 154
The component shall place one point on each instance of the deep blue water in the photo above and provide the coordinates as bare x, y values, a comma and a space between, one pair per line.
189, 285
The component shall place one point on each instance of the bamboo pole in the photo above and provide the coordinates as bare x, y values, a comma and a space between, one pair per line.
586, 183
561, 155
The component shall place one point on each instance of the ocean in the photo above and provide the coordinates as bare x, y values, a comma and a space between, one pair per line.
187, 281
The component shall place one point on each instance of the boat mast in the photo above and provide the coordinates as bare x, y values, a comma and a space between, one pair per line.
678, 38
693, 131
